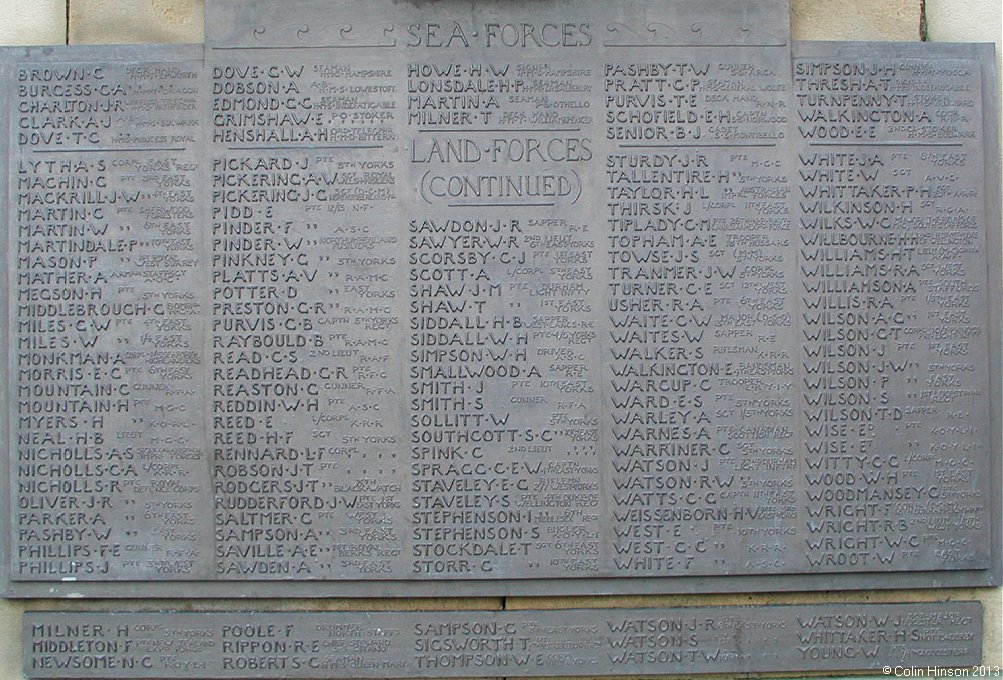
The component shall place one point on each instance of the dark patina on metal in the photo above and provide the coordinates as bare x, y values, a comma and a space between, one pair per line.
483, 301
593, 642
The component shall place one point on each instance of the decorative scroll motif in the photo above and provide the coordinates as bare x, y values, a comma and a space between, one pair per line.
337, 36
657, 34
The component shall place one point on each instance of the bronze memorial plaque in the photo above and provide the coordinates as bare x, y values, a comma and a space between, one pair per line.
512, 644
396, 298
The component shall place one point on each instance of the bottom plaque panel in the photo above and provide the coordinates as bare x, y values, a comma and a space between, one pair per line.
576, 642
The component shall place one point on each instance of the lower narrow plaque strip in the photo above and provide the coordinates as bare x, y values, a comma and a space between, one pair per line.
578, 642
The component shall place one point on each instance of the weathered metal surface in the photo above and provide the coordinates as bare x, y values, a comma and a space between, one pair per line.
898, 297
520, 365
484, 296
104, 281
593, 642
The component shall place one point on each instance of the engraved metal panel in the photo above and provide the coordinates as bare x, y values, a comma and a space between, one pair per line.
517, 308
894, 214
434, 300
501, 643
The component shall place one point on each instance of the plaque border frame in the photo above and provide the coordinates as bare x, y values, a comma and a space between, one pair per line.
982, 53
107, 617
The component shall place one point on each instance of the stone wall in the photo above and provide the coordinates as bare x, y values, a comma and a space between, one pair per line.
35, 22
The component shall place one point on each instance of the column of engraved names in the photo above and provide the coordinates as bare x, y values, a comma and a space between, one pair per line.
697, 374
104, 319
503, 420
892, 256
303, 294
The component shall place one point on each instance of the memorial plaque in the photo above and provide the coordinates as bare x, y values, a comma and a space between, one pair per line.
601, 297
593, 642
